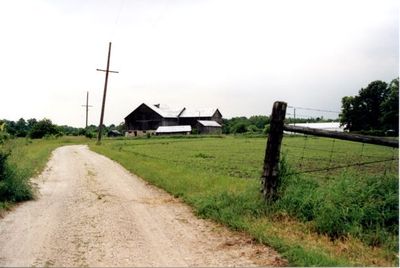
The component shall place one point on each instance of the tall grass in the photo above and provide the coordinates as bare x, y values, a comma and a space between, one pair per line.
366, 207
13, 186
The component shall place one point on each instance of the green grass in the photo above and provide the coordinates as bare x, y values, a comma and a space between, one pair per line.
219, 178
27, 159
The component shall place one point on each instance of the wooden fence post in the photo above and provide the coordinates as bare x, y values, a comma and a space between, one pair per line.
269, 179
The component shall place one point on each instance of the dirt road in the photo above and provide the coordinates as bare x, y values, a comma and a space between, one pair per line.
92, 212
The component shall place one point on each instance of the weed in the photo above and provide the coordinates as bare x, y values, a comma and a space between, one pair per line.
201, 155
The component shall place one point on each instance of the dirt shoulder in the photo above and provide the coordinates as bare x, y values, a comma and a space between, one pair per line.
92, 212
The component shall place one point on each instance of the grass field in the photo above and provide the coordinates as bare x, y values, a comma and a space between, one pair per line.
336, 218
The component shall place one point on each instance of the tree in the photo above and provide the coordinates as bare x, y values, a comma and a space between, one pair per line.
121, 127
31, 122
239, 127
259, 121
10, 128
374, 108
390, 108
43, 128
21, 128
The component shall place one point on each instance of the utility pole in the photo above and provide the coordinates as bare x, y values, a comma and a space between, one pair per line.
87, 108
105, 92
294, 116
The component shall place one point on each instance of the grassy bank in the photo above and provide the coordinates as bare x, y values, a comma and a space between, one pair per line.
219, 178
27, 158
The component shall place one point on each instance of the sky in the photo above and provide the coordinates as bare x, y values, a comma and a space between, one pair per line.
237, 56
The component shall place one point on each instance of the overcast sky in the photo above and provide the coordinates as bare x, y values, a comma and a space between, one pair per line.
238, 56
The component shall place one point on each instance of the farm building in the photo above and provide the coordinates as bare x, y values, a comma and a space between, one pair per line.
208, 126
147, 118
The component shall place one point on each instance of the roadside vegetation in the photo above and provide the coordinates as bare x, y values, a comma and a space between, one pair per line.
22, 159
337, 220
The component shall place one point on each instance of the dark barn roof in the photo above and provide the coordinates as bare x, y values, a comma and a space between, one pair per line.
167, 112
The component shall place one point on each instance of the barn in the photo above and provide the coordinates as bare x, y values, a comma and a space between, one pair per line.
148, 118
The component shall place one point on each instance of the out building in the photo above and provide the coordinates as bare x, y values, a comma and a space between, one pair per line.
209, 127
148, 118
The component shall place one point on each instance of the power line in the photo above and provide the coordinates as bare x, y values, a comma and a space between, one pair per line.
313, 109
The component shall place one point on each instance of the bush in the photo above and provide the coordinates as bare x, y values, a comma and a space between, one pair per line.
239, 128
253, 129
89, 134
13, 186
42, 128
266, 129
3, 158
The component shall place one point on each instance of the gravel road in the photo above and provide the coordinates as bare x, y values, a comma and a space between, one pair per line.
90, 211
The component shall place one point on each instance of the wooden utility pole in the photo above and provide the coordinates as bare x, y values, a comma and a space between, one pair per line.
270, 176
105, 92
87, 108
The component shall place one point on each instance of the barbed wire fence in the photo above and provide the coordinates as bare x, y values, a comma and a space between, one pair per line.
322, 153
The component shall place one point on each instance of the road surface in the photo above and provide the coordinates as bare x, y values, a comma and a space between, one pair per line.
90, 211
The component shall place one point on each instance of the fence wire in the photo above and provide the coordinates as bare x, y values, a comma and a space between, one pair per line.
328, 157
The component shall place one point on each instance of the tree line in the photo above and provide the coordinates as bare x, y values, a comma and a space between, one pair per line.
37, 129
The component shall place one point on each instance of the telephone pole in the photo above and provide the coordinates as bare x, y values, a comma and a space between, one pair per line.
87, 108
107, 71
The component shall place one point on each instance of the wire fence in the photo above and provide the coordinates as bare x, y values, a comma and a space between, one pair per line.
326, 157
323, 153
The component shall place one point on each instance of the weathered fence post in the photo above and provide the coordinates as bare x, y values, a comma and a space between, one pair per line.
269, 179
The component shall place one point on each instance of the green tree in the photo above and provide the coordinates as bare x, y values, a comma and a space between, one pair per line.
367, 110
31, 122
259, 121
390, 108
11, 128
21, 128
121, 127
43, 128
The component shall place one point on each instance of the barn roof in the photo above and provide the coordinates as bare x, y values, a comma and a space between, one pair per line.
173, 129
168, 112
209, 112
165, 111
209, 123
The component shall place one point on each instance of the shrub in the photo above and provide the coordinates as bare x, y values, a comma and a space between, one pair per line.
42, 128
266, 129
89, 134
253, 128
3, 158
239, 128
13, 186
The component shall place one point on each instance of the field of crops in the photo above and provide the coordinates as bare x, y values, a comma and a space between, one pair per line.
344, 216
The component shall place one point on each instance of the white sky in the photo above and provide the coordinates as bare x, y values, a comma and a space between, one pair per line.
238, 56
